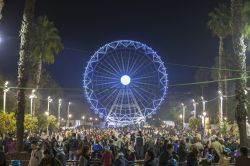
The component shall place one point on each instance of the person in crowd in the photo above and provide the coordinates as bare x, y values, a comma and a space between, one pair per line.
182, 151
224, 160
166, 156
121, 160
149, 159
107, 158
139, 146
84, 159
49, 159
72, 147
192, 158
243, 159
10, 146
2, 157
36, 154
217, 145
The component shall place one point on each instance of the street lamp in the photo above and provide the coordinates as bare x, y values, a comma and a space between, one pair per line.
90, 118
47, 113
49, 101
96, 119
220, 107
5, 90
32, 97
59, 111
183, 113
204, 121
83, 117
68, 113
194, 105
203, 104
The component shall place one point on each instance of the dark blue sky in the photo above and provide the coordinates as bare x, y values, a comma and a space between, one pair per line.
177, 30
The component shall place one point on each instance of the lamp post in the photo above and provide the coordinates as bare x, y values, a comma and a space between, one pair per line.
183, 113
68, 113
5, 90
204, 121
59, 111
49, 101
194, 105
203, 104
47, 114
220, 107
181, 117
83, 117
32, 97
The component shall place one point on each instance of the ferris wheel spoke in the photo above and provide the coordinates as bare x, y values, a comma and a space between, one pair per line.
117, 65
106, 83
135, 61
144, 77
110, 88
139, 101
106, 97
106, 77
111, 66
112, 72
128, 62
139, 67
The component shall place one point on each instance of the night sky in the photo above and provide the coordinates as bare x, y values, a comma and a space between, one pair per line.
176, 30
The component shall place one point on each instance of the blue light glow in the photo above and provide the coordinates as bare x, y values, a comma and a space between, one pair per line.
125, 80
111, 67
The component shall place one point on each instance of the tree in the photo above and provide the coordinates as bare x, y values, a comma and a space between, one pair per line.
1, 7
22, 79
239, 48
193, 123
7, 123
45, 44
219, 24
30, 122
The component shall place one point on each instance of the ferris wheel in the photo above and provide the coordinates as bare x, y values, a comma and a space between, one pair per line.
125, 82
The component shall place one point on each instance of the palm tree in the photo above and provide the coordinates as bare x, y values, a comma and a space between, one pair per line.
24, 52
45, 44
219, 24
239, 48
1, 7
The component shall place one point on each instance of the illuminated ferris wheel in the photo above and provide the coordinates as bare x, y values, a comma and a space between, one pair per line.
125, 82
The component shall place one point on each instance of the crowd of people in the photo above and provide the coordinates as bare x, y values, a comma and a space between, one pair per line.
130, 146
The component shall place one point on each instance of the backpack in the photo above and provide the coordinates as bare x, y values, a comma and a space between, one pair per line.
139, 141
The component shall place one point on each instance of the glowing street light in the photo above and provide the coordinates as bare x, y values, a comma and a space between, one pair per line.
204, 121
83, 117
68, 112
49, 101
47, 113
5, 90
59, 111
203, 104
221, 107
194, 105
90, 118
180, 116
96, 119
32, 97
183, 113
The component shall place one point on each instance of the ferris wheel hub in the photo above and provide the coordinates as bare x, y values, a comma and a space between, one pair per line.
125, 80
